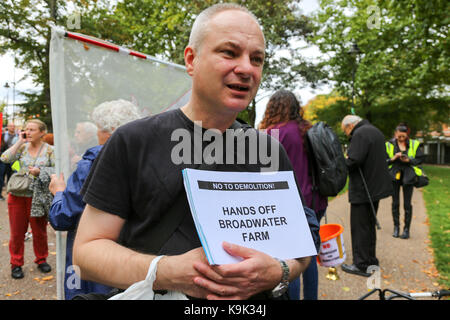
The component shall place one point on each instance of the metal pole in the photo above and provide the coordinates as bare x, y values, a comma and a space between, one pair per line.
14, 89
438, 149
370, 198
353, 87
59, 266
6, 86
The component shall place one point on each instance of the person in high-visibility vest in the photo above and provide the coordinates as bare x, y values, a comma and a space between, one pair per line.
404, 156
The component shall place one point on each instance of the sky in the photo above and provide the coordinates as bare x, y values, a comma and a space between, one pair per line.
10, 74
7, 75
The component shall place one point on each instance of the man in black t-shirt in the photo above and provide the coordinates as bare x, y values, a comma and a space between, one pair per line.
136, 180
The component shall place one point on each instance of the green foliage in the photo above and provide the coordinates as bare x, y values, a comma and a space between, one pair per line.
156, 27
402, 72
437, 202
23, 30
162, 28
2, 106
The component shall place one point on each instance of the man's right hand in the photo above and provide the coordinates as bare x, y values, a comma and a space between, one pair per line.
177, 273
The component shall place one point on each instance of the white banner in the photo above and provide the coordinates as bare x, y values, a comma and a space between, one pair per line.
83, 75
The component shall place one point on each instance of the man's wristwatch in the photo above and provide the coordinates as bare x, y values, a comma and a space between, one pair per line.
283, 285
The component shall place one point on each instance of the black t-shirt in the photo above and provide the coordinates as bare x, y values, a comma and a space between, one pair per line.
135, 176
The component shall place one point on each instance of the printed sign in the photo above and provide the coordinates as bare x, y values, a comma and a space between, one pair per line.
261, 211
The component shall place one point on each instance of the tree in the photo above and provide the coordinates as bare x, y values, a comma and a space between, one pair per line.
2, 106
166, 26
24, 30
319, 103
156, 27
328, 108
402, 72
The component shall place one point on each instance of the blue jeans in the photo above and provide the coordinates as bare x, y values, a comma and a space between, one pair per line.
310, 283
310, 277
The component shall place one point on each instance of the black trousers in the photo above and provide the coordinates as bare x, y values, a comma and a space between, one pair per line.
364, 234
407, 196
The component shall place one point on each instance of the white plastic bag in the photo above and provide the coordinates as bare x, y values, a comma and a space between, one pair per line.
143, 290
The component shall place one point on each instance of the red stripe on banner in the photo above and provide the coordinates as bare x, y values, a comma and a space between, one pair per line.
103, 44
116, 48
137, 54
91, 41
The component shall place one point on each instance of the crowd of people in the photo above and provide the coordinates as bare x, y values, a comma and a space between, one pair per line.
68, 205
115, 202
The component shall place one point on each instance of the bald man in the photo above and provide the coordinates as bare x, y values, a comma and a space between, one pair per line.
127, 193
366, 155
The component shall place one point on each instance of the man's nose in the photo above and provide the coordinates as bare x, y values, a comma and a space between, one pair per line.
244, 67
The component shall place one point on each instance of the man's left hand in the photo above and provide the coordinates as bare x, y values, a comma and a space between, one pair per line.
255, 273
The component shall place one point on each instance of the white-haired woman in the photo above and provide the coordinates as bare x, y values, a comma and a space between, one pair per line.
30, 207
68, 204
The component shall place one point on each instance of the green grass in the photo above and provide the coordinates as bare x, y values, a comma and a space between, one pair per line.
437, 202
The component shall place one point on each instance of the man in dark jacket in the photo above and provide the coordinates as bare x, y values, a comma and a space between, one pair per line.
367, 152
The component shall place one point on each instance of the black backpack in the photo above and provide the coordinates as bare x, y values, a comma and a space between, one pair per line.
329, 171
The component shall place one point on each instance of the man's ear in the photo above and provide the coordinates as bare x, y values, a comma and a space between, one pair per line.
189, 58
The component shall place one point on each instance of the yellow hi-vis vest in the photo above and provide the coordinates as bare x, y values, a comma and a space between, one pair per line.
413, 145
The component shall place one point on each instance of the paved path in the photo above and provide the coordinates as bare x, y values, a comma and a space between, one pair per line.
405, 264
35, 285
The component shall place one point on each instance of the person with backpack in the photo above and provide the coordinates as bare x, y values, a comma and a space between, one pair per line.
284, 114
366, 162
404, 156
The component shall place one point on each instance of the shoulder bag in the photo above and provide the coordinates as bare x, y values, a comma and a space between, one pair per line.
421, 181
20, 182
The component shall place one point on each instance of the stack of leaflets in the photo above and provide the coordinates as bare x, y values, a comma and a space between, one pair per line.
262, 211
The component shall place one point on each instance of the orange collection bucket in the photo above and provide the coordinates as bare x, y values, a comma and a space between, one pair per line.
332, 250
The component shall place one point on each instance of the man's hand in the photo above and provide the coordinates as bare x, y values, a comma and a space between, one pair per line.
255, 273
57, 183
178, 273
